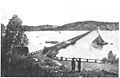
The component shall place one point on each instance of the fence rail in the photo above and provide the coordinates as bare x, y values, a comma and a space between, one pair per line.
76, 59
72, 60
79, 60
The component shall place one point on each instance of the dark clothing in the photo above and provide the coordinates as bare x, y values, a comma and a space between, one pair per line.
79, 64
73, 64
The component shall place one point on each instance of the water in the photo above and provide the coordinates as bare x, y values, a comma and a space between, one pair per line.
82, 48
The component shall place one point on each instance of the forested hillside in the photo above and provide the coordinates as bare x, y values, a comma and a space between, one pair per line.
84, 25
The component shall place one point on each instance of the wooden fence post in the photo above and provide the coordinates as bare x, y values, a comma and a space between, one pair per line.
87, 60
95, 61
66, 59
61, 58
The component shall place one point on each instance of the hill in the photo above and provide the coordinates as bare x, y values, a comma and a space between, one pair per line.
82, 25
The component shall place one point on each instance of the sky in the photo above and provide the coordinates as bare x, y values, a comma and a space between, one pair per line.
59, 12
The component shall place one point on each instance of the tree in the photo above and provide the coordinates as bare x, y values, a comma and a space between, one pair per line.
14, 34
3, 52
111, 58
14, 37
2, 29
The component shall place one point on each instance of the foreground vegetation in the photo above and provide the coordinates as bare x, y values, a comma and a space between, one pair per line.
31, 69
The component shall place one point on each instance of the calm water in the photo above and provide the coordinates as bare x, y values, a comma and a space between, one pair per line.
82, 48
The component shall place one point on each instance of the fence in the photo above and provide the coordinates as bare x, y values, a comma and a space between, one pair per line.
72, 60
82, 59
79, 60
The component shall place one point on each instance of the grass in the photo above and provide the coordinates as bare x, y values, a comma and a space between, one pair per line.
85, 73
92, 70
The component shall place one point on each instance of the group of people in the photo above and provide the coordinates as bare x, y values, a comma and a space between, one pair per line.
73, 64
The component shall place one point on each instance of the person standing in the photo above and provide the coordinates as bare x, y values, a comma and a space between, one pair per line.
79, 64
73, 64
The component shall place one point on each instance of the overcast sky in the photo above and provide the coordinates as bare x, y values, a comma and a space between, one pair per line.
59, 12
